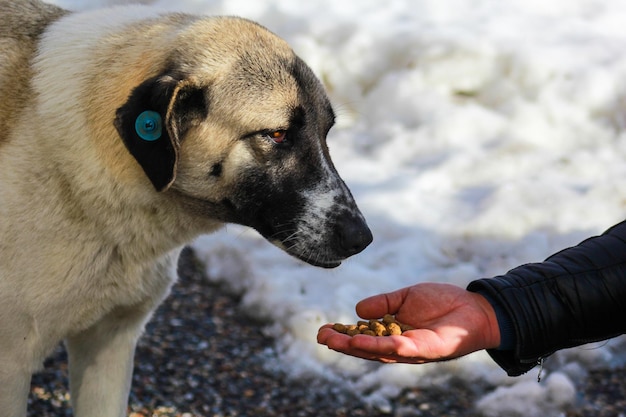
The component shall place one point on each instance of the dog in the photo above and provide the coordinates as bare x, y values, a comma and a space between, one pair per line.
124, 134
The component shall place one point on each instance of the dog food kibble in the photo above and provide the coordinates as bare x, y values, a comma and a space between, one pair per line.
387, 326
394, 328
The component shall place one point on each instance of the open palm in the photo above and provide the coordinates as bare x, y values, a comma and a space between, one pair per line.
449, 322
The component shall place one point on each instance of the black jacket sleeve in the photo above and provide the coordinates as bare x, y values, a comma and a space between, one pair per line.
576, 296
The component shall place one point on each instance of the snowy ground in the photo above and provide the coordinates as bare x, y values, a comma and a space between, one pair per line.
475, 136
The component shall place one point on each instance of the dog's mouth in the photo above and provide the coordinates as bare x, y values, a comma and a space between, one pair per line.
323, 264
326, 246
311, 257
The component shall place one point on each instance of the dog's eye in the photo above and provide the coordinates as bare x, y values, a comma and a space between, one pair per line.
277, 136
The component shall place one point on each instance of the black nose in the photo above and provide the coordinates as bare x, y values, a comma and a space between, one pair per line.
353, 235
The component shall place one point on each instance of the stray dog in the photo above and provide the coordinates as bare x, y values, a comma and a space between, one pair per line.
124, 134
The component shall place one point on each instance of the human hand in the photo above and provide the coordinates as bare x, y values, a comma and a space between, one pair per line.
449, 322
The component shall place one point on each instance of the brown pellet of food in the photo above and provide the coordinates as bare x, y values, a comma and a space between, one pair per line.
406, 327
378, 328
386, 326
394, 328
352, 330
341, 328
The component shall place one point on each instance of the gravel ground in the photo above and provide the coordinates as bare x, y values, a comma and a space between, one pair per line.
202, 357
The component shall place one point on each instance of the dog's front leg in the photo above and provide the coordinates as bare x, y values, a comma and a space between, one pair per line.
14, 384
18, 360
101, 363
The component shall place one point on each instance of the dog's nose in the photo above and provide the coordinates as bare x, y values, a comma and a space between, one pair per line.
354, 236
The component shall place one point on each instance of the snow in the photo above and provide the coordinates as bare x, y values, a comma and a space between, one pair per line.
475, 136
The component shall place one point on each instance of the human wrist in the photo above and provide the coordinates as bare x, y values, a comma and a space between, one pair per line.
490, 329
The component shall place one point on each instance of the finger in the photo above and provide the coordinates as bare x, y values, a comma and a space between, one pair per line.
391, 349
333, 339
415, 346
341, 343
377, 358
380, 349
386, 346
378, 305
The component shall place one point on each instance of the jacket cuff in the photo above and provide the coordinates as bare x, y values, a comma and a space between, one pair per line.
508, 338
507, 355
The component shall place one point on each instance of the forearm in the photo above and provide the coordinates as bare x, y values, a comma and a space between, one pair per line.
576, 296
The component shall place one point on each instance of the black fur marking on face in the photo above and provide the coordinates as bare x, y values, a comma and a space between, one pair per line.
216, 170
298, 118
312, 92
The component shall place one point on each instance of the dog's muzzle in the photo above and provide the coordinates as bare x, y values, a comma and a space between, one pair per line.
326, 241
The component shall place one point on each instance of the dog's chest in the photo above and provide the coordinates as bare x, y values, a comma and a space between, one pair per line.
118, 285
69, 291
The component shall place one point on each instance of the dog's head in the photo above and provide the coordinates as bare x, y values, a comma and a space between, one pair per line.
234, 127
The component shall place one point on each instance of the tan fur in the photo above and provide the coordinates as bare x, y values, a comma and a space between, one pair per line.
90, 228
18, 35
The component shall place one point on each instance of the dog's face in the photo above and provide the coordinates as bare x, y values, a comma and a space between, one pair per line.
240, 125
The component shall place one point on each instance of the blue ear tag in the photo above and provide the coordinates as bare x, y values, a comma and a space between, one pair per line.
148, 125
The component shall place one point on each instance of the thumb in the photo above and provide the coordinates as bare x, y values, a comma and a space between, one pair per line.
378, 305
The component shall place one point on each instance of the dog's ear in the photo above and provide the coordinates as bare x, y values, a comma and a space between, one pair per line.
154, 119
